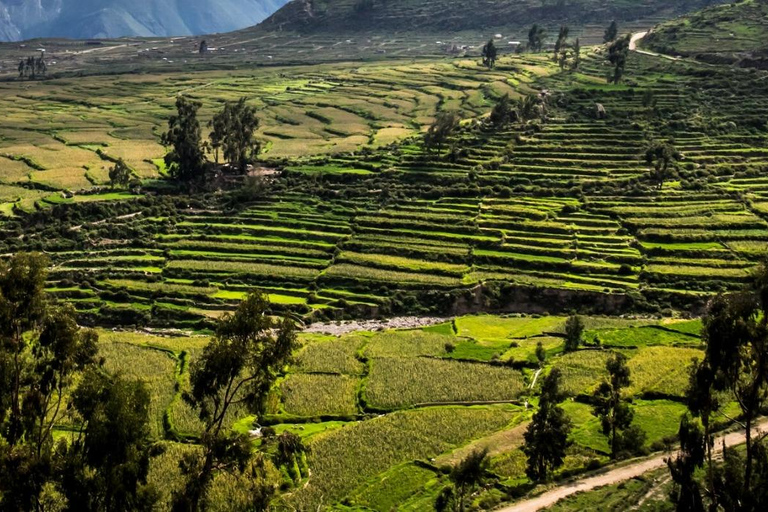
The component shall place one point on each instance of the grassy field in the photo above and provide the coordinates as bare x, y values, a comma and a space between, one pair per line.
502, 234
345, 393
548, 209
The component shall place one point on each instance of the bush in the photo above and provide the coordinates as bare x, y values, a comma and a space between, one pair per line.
631, 442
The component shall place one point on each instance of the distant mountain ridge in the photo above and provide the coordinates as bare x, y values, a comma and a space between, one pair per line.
459, 15
104, 19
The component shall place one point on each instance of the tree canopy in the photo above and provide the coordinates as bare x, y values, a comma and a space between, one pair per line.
186, 158
233, 131
489, 54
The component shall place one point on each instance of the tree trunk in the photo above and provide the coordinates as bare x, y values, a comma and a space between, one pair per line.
748, 465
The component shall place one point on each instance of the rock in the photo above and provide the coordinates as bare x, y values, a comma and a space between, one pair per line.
600, 111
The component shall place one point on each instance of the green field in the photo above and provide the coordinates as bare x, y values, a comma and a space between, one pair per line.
344, 392
494, 240
548, 210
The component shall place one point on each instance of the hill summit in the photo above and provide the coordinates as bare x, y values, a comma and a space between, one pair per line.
464, 15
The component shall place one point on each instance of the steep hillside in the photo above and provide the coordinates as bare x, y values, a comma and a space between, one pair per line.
87, 19
728, 33
459, 15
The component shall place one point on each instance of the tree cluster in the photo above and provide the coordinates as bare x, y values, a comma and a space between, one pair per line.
465, 477
527, 108
735, 367
238, 367
49, 372
445, 125
618, 52
232, 134
536, 37
32, 67
489, 54
120, 175
662, 158
615, 412
546, 438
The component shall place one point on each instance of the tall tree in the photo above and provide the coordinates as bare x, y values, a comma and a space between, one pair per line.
687, 494
561, 42
618, 52
530, 107
736, 333
703, 402
291, 455
107, 463
502, 113
614, 412
536, 38
489, 54
468, 474
42, 353
238, 366
233, 130
662, 158
576, 54
445, 124
186, 159
546, 438
22, 310
574, 330
611, 33
119, 174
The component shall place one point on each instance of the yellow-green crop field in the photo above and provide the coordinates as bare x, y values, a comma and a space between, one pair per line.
345, 394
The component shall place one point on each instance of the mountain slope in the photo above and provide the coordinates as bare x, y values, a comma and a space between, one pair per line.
459, 15
735, 32
88, 19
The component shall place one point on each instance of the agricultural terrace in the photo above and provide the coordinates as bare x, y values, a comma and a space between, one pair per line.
63, 135
434, 393
722, 34
557, 216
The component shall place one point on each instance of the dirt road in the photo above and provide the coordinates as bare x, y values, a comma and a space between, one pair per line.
633, 47
614, 476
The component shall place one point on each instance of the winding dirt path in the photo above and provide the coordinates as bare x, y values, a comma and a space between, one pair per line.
636, 39
614, 476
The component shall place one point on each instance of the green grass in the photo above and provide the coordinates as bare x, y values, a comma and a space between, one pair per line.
641, 493
410, 343
153, 367
582, 371
331, 355
488, 329
658, 418
315, 395
343, 459
390, 489
661, 370
640, 337
586, 427
396, 382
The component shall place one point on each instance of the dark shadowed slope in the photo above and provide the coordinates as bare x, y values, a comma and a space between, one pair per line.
459, 15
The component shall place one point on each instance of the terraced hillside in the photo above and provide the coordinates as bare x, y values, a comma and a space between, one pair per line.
732, 33
64, 135
557, 215
434, 394
316, 31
